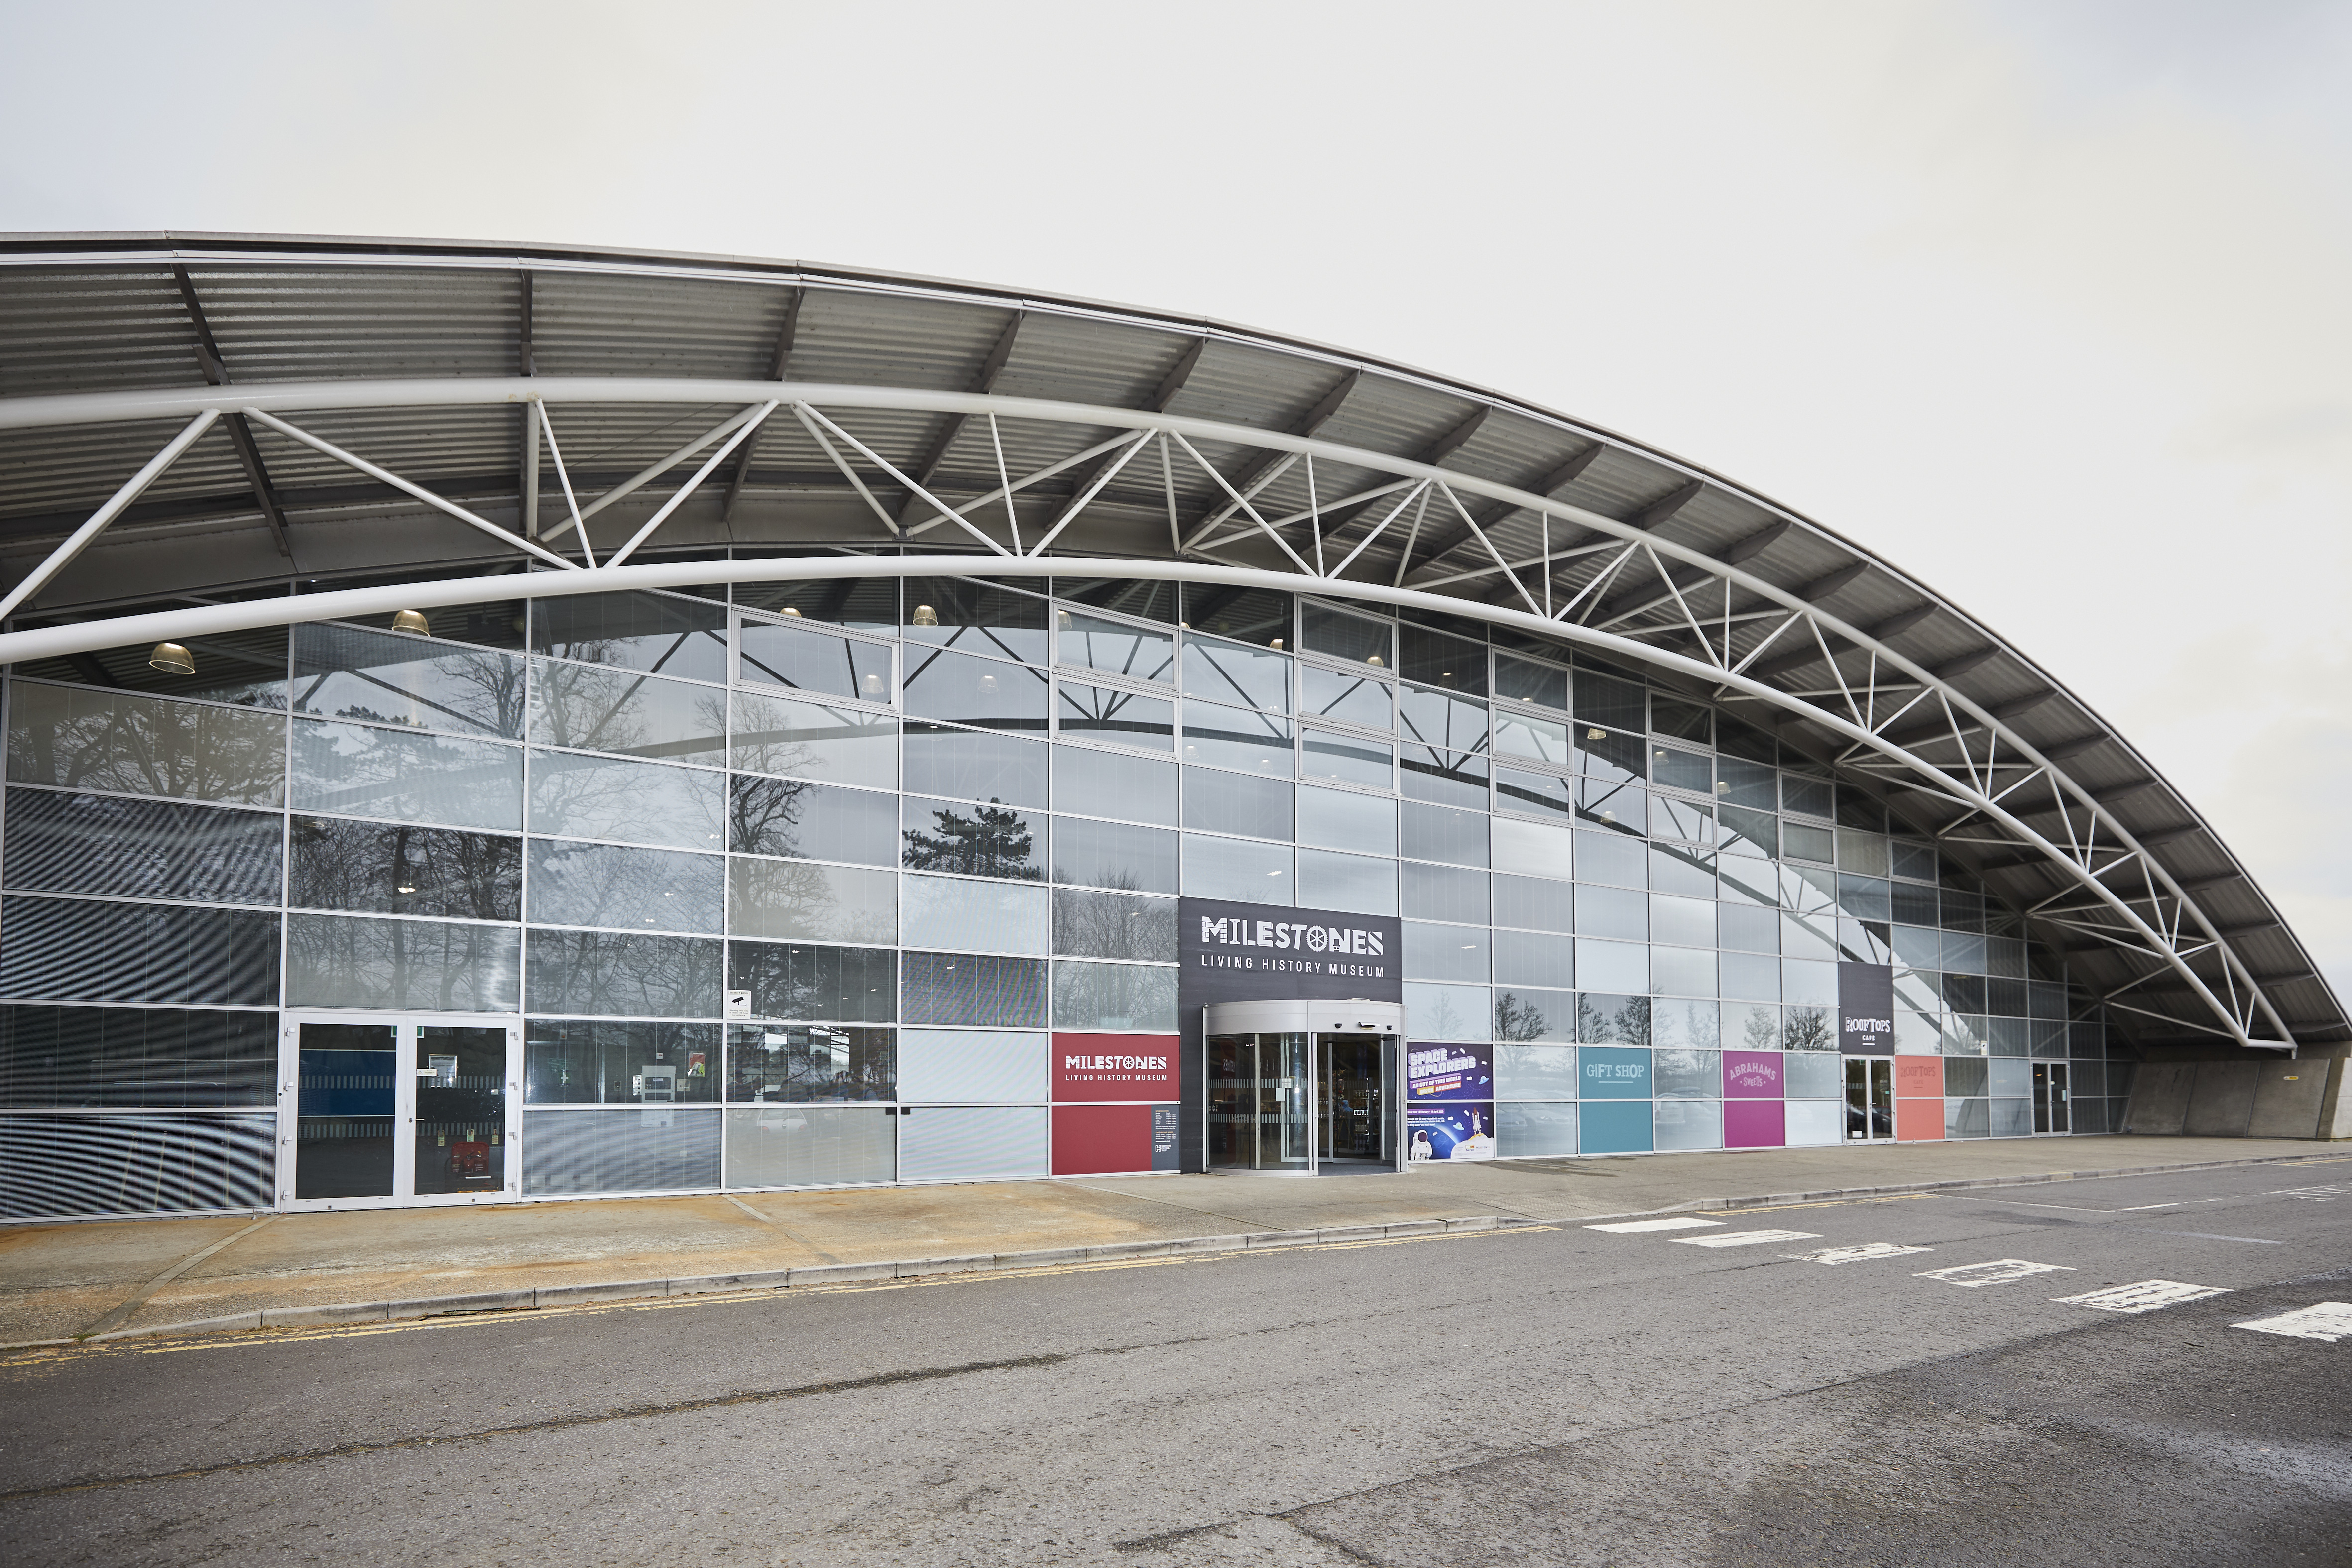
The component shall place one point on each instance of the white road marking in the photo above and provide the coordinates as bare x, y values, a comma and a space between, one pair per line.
2329, 1321
2207, 1236
1747, 1238
2145, 1297
2315, 1193
2000, 1271
1634, 1227
1861, 1254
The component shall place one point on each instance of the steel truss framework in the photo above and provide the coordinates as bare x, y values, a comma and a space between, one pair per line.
1674, 607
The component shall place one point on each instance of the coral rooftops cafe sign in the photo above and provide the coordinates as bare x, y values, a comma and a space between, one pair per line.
1245, 951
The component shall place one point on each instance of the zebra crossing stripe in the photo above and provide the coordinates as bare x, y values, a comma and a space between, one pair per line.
1637, 1227
1747, 1238
1861, 1254
2000, 1271
2328, 1320
2144, 1296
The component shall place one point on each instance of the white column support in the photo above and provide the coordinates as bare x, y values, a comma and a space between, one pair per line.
79, 540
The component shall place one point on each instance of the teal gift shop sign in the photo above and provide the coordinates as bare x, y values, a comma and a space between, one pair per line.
1612, 1073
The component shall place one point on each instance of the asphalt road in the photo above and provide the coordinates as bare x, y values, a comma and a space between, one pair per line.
1551, 1396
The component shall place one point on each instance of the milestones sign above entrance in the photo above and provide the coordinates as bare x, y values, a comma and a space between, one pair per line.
1250, 952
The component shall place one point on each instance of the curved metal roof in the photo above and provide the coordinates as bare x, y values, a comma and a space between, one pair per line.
367, 407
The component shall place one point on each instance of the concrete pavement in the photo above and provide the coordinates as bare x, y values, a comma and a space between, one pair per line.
74, 1279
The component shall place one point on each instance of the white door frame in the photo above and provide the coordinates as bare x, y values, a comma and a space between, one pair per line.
405, 1027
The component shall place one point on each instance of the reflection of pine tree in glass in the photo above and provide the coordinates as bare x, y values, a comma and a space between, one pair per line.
1517, 1018
992, 842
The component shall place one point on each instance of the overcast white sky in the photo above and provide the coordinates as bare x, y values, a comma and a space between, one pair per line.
2045, 300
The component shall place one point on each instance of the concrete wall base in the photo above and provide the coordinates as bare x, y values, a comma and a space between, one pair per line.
2300, 1099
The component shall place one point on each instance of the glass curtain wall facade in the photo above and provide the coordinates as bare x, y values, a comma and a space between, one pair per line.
937, 833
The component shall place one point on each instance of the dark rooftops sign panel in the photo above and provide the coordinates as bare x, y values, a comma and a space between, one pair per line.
1247, 952
1866, 1010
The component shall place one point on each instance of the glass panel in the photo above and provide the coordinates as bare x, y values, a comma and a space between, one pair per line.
987, 693
386, 677
1533, 902
974, 765
461, 1109
582, 1062
1601, 699
1107, 784
1348, 1099
868, 603
1360, 883
1544, 740
1252, 614
645, 802
789, 899
380, 868
132, 848
1237, 869
811, 1145
1088, 925
840, 746
1331, 758
1343, 636
1349, 698
963, 988
1445, 892
1534, 1071
65, 949
649, 1149
974, 916
1115, 855
1614, 1020
1525, 681
974, 840
597, 709
136, 1058
792, 817
1442, 721
1532, 959
1540, 848
144, 746
1526, 1129
974, 1143
1435, 659
1236, 738
1448, 1012
128, 1162
803, 1062
1447, 777
607, 974
1233, 673
977, 617
1138, 652
803, 659
1138, 597
626, 888
792, 980
1120, 718
1538, 794
1444, 833
1528, 1013
362, 771
650, 631
424, 965
1447, 952
245, 668
344, 1108
1608, 755
1232, 1100
1114, 997
1251, 807
1342, 820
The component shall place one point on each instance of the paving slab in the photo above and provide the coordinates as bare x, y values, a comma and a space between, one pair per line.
58, 1281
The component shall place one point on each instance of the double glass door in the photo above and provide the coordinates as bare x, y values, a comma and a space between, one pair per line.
381, 1110
2050, 1097
1293, 1101
1869, 1099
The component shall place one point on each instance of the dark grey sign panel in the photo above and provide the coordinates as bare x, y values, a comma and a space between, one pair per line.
1245, 951
1866, 1010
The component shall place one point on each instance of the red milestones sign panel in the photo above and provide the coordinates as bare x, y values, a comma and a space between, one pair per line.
1115, 1067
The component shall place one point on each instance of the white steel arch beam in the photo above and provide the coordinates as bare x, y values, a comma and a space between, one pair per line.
2101, 835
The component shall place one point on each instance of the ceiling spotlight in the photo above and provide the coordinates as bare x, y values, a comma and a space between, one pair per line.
924, 616
1276, 645
1061, 621
412, 621
404, 887
791, 612
173, 659
988, 682
1596, 733
1375, 661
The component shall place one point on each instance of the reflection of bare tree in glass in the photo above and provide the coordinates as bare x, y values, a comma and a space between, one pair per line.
1761, 1031
763, 815
1518, 1018
143, 746
1089, 924
1600, 1023
647, 802
1443, 1021
418, 964
365, 865
1807, 1028
993, 840
600, 972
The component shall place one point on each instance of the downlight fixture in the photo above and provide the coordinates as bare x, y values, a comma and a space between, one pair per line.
172, 659
791, 613
1376, 661
924, 615
413, 621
